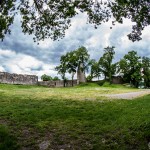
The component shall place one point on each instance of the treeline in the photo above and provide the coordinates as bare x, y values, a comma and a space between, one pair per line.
131, 67
45, 77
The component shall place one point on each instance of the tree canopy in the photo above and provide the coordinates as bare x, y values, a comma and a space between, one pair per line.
74, 62
105, 62
50, 18
95, 71
45, 77
146, 70
130, 66
62, 68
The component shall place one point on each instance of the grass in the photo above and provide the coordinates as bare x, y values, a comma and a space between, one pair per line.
72, 118
7, 141
80, 92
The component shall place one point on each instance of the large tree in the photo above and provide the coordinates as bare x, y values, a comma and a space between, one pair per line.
105, 62
50, 18
131, 66
62, 68
82, 58
146, 70
71, 64
95, 70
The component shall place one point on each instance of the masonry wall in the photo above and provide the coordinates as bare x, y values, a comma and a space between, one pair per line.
18, 79
117, 80
32, 80
58, 83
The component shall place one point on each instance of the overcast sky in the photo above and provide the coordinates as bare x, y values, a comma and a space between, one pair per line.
19, 54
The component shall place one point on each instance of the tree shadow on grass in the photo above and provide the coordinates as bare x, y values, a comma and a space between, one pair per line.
7, 141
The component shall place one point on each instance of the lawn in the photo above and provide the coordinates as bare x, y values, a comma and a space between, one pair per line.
89, 91
76, 118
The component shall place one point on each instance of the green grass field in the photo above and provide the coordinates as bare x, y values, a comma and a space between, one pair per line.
76, 118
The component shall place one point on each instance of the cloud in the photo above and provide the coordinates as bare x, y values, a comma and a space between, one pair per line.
2, 68
24, 64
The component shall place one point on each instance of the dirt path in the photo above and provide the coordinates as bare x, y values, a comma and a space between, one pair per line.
130, 95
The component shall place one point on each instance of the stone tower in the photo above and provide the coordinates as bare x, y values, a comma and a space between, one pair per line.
81, 75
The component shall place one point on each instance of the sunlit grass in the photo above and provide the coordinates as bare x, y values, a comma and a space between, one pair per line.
82, 92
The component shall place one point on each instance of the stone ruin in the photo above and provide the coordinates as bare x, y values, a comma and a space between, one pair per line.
59, 83
9, 78
18, 79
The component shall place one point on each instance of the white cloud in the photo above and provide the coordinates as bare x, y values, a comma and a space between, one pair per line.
29, 61
2, 69
23, 64
7, 53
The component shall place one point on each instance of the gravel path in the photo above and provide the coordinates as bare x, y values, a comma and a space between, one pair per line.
130, 95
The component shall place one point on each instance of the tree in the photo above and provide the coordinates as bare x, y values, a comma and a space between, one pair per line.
130, 66
50, 18
82, 59
95, 70
146, 70
68, 64
62, 68
105, 62
72, 64
56, 78
45, 77
135, 10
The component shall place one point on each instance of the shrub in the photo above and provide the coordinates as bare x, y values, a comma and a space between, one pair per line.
100, 82
55, 78
45, 77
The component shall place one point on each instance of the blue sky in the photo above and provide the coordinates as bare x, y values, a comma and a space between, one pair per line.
19, 53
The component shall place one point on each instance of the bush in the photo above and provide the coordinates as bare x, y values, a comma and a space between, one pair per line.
56, 78
89, 78
45, 77
100, 82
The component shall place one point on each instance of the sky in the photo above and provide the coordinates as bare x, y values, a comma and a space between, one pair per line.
20, 54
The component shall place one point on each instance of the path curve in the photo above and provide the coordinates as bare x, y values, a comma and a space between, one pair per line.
130, 95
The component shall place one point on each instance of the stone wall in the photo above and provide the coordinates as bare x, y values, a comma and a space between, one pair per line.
58, 83
32, 80
18, 78
117, 80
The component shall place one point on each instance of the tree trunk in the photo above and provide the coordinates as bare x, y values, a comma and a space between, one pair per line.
105, 78
64, 82
72, 79
110, 78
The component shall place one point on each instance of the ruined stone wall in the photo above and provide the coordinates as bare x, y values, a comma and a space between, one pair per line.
18, 78
58, 83
117, 80
32, 80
